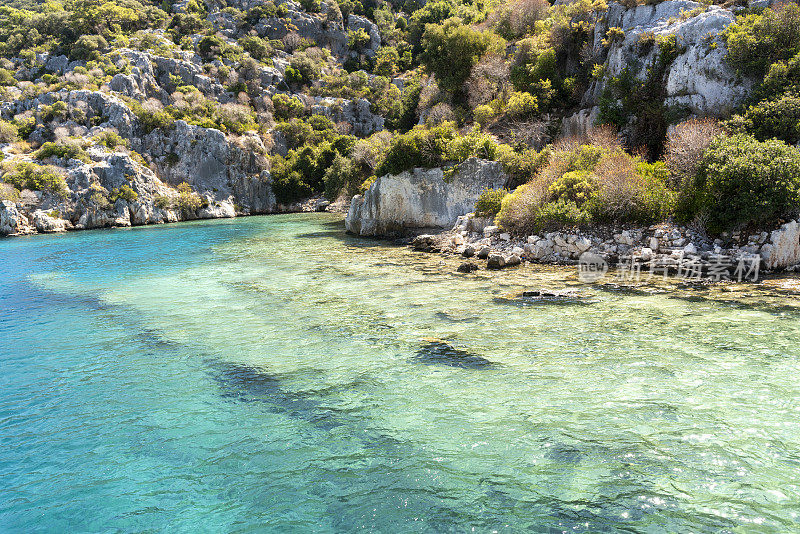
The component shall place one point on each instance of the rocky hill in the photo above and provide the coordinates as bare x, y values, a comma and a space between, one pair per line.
128, 112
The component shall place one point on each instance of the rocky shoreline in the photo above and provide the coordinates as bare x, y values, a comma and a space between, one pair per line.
636, 253
16, 221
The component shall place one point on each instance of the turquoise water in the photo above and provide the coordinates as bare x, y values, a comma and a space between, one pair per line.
270, 374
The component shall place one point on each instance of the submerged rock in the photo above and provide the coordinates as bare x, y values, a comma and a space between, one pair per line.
467, 267
440, 353
421, 198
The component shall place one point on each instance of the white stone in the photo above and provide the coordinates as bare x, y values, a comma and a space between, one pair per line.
783, 250
421, 198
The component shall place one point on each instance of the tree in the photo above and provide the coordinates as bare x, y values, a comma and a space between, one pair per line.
451, 50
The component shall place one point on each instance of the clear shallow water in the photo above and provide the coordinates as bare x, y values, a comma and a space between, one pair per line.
270, 374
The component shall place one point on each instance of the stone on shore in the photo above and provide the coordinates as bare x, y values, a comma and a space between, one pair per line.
421, 198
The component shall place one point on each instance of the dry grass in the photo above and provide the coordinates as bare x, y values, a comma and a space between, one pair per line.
618, 183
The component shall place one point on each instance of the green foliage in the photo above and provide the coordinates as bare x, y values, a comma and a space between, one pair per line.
88, 47
451, 50
779, 118
315, 161
110, 139
188, 201
78, 28
312, 6
150, 120
521, 105
489, 202
757, 40
125, 192
386, 60
420, 147
8, 132
257, 47
210, 47
358, 39
68, 150
302, 70
589, 184
287, 107
743, 181
26, 175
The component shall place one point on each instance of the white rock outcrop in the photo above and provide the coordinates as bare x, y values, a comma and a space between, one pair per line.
783, 250
421, 198
12, 221
699, 80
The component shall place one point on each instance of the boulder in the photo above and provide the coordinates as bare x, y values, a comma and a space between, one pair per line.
467, 267
698, 80
496, 261
47, 224
783, 249
12, 222
421, 198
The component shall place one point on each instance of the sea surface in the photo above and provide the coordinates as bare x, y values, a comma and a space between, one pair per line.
271, 374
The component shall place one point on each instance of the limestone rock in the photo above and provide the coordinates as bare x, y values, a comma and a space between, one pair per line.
47, 224
12, 222
421, 198
783, 250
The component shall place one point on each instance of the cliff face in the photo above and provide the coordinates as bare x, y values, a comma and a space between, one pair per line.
421, 198
698, 81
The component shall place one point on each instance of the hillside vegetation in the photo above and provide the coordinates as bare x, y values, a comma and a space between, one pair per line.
263, 103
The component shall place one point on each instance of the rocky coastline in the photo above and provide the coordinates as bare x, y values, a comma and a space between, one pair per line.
665, 249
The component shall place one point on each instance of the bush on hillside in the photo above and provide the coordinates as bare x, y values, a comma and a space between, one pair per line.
451, 50
26, 175
586, 183
685, 146
490, 202
778, 119
755, 41
66, 150
742, 181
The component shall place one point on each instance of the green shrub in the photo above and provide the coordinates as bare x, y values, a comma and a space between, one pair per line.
743, 181
8, 132
256, 47
358, 39
69, 150
490, 202
521, 105
757, 40
188, 201
88, 47
8, 192
386, 60
287, 107
110, 139
210, 47
125, 192
779, 118
451, 50
560, 213
151, 120
483, 114
588, 184
26, 175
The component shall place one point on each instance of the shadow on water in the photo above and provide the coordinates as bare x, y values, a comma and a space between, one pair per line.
439, 353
